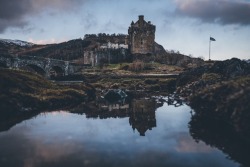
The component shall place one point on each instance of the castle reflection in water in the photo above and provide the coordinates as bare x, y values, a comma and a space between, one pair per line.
142, 116
141, 112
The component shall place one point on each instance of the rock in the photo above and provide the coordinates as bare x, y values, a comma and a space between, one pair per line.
114, 95
231, 68
201, 77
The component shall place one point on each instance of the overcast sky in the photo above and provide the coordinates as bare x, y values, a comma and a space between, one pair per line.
181, 25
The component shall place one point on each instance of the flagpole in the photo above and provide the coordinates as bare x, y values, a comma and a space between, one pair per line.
209, 48
210, 39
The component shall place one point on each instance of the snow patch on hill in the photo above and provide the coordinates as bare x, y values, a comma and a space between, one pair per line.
17, 42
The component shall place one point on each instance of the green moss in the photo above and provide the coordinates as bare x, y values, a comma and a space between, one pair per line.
210, 77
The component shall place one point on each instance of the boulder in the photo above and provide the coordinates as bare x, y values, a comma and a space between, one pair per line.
114, 95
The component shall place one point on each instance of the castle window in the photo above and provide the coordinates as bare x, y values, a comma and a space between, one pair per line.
141, 41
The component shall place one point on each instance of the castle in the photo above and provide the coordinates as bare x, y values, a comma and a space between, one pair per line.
141, 37
119, 48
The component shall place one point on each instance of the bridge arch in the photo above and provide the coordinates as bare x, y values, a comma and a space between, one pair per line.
56, 71
34, 68
42, 66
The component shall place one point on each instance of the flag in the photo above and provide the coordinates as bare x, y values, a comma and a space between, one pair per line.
212, 39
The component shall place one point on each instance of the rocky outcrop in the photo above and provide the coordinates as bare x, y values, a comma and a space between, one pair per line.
231, 68
200, 77
220, 91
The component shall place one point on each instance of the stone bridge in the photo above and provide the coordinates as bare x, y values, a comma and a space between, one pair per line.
43, 66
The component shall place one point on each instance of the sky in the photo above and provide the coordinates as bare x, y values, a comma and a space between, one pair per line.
181, 25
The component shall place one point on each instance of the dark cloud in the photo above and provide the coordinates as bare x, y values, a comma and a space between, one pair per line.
4, 24
13, 13
11, 10
216, 11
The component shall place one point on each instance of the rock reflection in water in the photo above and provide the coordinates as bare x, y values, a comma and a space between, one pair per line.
9, 120
217, 134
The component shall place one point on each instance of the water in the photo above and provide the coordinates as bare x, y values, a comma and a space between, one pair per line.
149, 138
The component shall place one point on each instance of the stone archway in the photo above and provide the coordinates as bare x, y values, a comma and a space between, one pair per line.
56, 71
34, 68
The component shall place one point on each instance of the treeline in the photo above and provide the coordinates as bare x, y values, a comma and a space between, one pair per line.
103, 35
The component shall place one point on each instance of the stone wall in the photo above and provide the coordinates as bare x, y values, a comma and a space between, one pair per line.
106, 56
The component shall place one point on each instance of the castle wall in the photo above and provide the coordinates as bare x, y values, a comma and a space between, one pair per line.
90, 58
141, 37
106, 56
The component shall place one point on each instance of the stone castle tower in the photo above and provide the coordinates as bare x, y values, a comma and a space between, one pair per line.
141, 37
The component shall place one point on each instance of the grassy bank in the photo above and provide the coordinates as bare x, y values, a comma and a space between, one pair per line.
25, 91
145, 84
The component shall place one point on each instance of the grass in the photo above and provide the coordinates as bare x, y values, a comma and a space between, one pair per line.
149, 68
149, 84
21, 90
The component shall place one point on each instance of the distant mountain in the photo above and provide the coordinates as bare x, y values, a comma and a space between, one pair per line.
11, 48
17, 42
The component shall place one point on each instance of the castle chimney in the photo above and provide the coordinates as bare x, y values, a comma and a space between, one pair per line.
141, 17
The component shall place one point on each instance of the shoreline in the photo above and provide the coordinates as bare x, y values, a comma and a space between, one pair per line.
210, 90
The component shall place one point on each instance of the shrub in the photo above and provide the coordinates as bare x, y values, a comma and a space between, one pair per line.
211, 77
136, 66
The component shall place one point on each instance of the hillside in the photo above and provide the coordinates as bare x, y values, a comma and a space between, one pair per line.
70, 50
16, 42
9, 48
25, 91
73, 50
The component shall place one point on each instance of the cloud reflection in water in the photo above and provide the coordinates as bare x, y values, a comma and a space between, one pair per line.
65, 139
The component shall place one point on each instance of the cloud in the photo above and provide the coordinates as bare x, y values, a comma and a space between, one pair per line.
89, 20
4, 24
11, 14
215, 11
186, 144
57, 4
15, 13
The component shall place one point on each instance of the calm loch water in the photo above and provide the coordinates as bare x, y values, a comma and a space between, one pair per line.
152, 135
